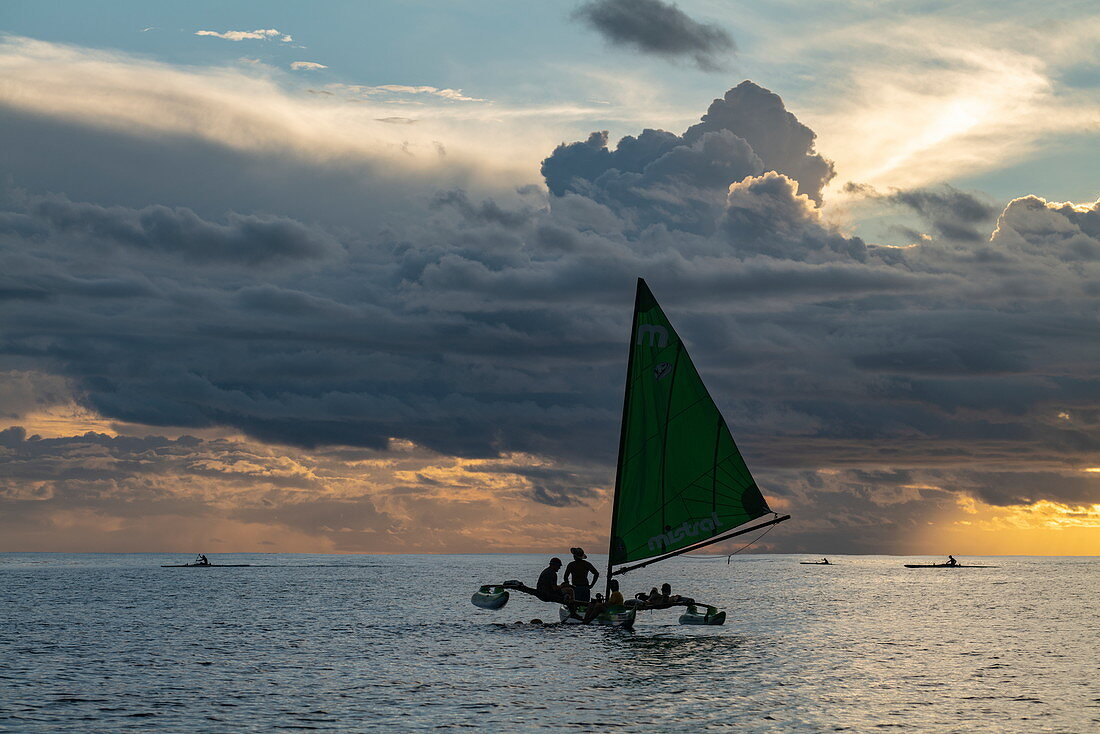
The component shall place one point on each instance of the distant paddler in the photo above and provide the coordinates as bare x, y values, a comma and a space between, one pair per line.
576, 575
202, 560
951, 561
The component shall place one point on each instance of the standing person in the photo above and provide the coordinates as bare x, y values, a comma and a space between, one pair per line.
576, 575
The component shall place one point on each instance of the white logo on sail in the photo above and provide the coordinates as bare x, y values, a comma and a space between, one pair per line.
658, 335
685, 530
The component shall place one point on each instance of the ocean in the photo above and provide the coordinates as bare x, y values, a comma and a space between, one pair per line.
114, 643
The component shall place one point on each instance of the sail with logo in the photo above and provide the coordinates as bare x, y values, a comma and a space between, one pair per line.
681, 482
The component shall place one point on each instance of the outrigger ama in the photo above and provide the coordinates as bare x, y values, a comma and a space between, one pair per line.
680, 481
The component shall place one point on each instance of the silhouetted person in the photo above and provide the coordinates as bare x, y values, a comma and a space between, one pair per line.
548, 588
614, 599
825, 561
951, 561
203, 560
667, 597
576, 575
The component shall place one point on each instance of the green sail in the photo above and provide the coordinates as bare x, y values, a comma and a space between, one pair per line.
681, 479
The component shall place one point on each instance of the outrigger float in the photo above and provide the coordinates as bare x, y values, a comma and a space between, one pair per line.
680, 482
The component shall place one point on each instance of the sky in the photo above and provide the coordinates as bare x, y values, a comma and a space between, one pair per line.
357, 277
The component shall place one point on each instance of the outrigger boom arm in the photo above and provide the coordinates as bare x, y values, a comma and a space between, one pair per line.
719, 539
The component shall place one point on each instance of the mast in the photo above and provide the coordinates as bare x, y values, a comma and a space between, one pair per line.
622, 435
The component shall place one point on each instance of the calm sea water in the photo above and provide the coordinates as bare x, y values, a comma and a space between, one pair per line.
354, 643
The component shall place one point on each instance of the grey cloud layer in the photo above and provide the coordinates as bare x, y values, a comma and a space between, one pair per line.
476, 326
659, 28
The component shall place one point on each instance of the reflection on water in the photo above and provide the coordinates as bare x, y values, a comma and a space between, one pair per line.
115, 643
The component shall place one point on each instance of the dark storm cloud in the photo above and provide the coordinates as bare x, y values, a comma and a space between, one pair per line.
483, 326
248, 239
659, 28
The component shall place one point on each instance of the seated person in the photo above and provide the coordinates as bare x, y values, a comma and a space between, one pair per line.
667, 596
614, 599
548, 588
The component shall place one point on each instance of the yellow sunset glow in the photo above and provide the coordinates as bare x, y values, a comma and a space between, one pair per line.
1042, 528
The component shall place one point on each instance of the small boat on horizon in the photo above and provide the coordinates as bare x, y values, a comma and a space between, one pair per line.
945, 566
951, 563
203, 562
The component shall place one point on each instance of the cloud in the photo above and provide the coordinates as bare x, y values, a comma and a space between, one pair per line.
260, 34
683, 181
110, 489
404, 90
432, 348
950, 213
986, 95
658, 28
306, 66
1059, 230
249, 239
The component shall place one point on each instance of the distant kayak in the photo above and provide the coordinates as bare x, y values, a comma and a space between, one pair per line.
813, 563
944, 566
206, 565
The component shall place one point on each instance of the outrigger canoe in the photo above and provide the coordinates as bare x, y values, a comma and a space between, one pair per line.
495, 596
680, 482
813, 563
206, 565
944, 566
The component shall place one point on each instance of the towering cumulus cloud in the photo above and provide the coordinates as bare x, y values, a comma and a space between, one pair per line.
683, 179
368, 373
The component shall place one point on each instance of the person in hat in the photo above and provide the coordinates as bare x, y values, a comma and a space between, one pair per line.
548, 588
576, 575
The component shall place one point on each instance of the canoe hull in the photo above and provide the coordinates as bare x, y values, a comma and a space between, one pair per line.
703, 618
207, 565
943, 566
490, 598
620, 617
